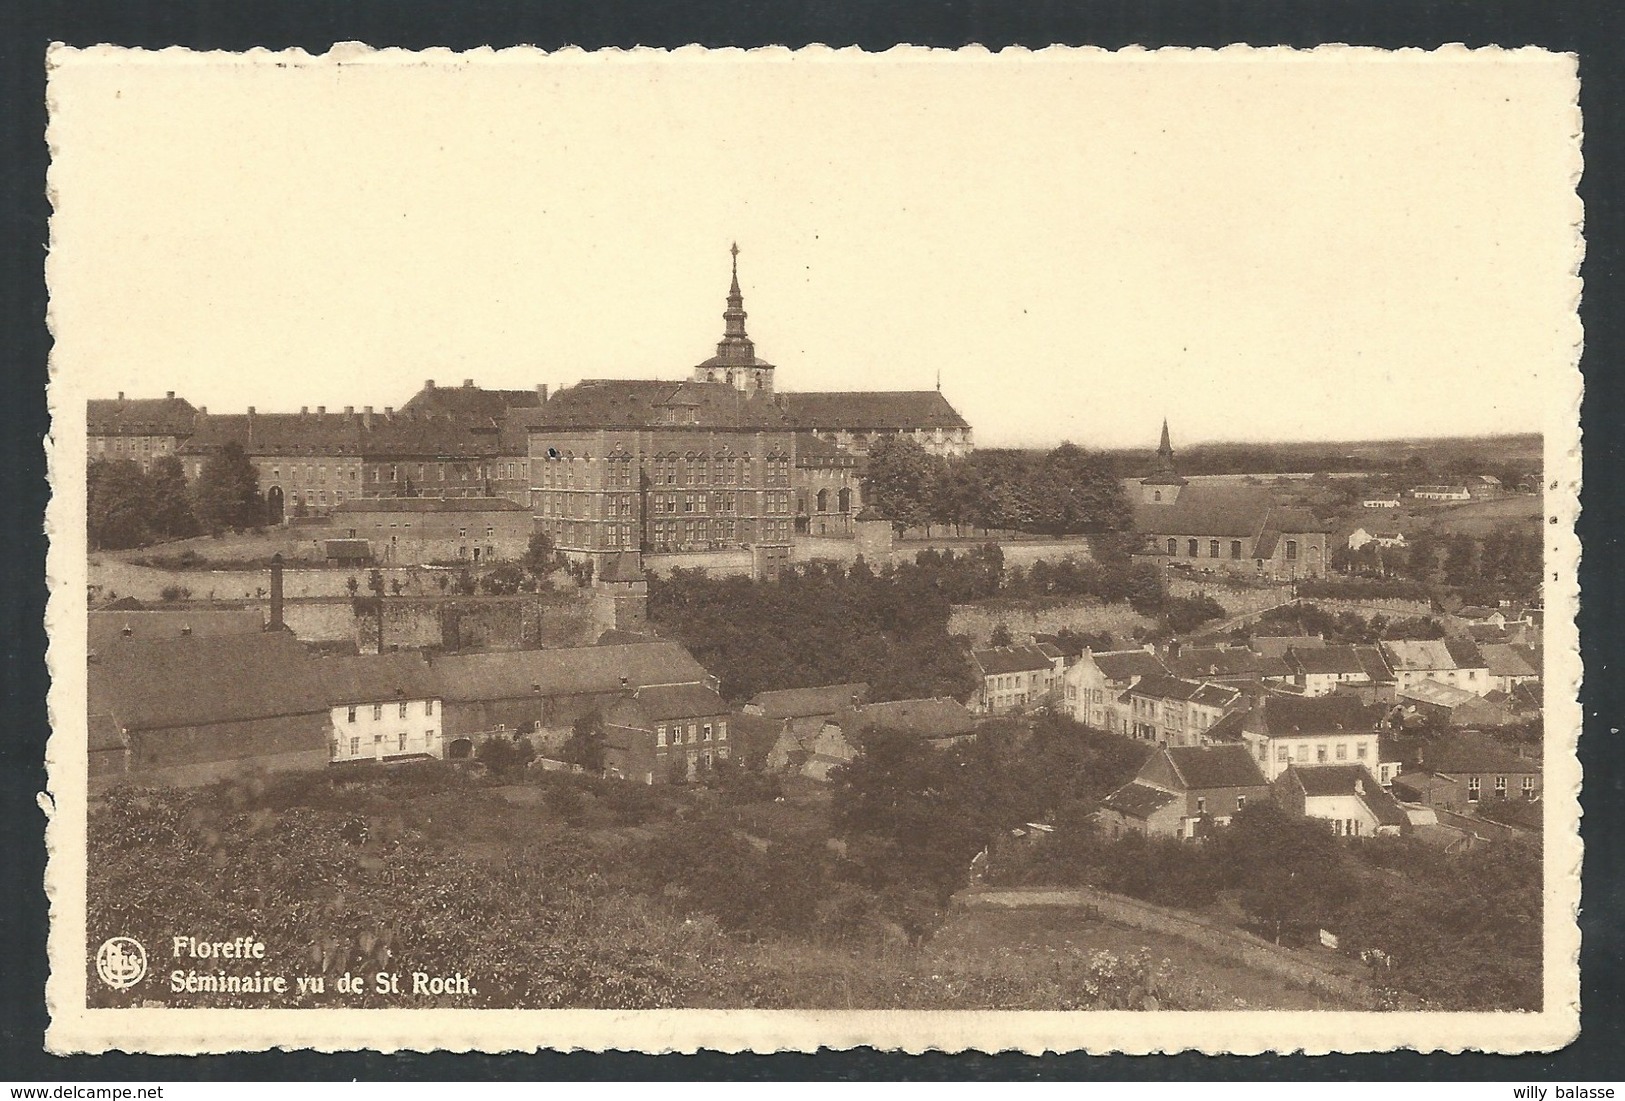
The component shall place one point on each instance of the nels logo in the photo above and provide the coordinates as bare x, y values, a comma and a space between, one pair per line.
121, 962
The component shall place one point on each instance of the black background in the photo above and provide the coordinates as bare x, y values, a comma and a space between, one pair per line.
1594, 32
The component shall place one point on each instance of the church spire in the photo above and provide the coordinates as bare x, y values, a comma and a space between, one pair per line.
1165, 450
735, 362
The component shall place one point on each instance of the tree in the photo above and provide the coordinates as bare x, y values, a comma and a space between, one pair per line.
541, 558
119, 506
505, 580
898, 481
227, 493
1289, 869
171, 499
1082, 491
1000, 636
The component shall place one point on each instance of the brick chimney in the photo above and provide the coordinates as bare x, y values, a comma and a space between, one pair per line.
275, 623
541, 392
428, 384
468, 384
366, 416
169, 394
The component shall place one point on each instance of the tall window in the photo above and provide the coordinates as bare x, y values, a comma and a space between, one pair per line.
1235, 548
403, 712
377, 711
1500, 787
355, 747
1190, 547
1173, 546
1472, 789
1528, 787
1213, 548
351, 716
1291, 550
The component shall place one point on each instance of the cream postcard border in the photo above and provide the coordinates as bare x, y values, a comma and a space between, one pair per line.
74, 1028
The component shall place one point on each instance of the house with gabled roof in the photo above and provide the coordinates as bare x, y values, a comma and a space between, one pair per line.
1282, 731
1511, 665
665, 733
142, 430
1095, 683
1014, 678
1451, 705
1455, 662
806, 709
1347, 796
1173, 711
1203, 785
1237, 665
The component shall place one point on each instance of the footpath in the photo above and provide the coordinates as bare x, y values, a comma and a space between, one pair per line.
1228, 943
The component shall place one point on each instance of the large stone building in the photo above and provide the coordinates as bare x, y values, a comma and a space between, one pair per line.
416, 531
142, 430
1225, 529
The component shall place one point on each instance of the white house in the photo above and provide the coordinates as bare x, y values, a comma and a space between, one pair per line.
383, 707
1452, 661
1287, 731
1347, 796
1441, 493
1094, 683
1380, 502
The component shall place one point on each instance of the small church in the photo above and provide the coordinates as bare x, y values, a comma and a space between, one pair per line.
1240, 531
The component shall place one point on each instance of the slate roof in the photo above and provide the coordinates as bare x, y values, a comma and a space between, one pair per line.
1466, 754
1011, 659
1374, 664
1227, 729
1225, 661
1225, 512
625, 566
867, 410
1122, 665
428, 504
1137, 800
1326, 659
200, 681
667, 701
376, 678
1507, 661
564, 672
168, 416
1286, 716
939, 717
1218, 766
1277, 645
654, 403
800, 703
389, 436
107, 627
470, 401
1421, 782
1177, 688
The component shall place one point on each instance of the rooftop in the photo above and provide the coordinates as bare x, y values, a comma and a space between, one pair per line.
1224, 512
1137, 800
1011, 659
1122, 665
870, 410
1286, 716
579, 670
805, 702
938, 717
655, 403
1218, 766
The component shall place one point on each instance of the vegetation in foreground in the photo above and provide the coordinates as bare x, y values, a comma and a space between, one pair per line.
559, 893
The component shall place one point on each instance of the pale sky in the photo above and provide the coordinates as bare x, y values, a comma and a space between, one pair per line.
1259, 246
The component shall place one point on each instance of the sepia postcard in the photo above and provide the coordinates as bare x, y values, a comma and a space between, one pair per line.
776, 550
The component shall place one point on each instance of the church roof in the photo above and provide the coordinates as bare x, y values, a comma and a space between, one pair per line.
1225, 512
872, 409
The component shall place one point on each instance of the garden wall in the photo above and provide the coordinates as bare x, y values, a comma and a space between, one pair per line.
1024, 618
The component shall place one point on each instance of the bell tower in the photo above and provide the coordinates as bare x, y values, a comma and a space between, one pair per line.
735, 363
1162, 484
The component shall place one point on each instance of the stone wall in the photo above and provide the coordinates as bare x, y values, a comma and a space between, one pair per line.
1024, 618
525, 621
1235, 599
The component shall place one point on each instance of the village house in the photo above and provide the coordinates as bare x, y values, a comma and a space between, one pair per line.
1183, 791
191, 710
1225, 530
382, 707
1380, 502
1441, 493
1276, 646
940, 722
1234, 665
1454, 662
1322, 670
1016, 677
1510, 665
1282, 731
1347, 796
1359, 537
1176, 712
1480, 769
543, 692
1451, 706
1485, 487
1095, 683
805, 710
415, 531
665, 733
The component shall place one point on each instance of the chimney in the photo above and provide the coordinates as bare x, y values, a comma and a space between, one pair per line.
366, 416
127, 631
251, 410
169, 395
1173, 649
541, 392
389, 411
276, 623
428, 384
321, 410
203, 410
468, 384
121, 395
1359, 786
349, 410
